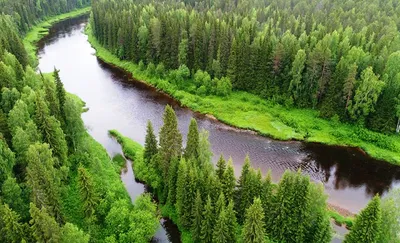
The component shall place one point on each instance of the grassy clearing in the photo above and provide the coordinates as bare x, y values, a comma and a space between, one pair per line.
247, 111
134, 151
42, 29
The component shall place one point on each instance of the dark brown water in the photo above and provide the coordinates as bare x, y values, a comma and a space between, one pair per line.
117, 102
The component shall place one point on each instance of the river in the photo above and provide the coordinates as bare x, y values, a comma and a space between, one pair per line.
116, 101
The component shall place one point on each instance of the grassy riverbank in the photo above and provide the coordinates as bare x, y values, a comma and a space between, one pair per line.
247, 111
40, 30
134, 151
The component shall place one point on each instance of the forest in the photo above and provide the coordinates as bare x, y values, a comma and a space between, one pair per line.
210, 204
337, 57
57, 184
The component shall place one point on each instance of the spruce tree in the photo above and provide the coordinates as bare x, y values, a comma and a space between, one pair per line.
232, 223
197, 217
170, 139
150, 144
221, 229
207, 225
87, 192
60, 92
192, 144
367, 226
220, 204
11, 230
181, 189
253, 228
42, 180
267, 200
229, 182
44, 227
172, 181
221, 166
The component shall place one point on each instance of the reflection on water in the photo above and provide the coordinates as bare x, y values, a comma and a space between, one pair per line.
116, 101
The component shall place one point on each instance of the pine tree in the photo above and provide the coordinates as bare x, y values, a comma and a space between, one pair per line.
87, 192
221, 233
172, 181
150, 144
170, 139
229, 182
239, 198
207, 225
44, 227
7, 161
197, 217
253, 228
221, 166
367, 226
192, 144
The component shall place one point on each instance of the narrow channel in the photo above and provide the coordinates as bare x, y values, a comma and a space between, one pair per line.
116, 101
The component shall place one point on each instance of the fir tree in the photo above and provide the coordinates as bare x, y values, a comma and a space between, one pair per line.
197, 217
220, 204
229, 182
44, 227
150, 144
232, 223
170, 139
207, 225
181, 188
253, 228
221, 229
192, 144
367, 226
221, 166
11, 230
87, 192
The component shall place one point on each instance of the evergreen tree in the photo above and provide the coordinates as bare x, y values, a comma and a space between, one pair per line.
267, 200
170, 139
229, 182
61, 95
42, 180
220, 204
197, 217
231, 222
207, 226
253, 228
44, 227
11, 230
192, 144
73, 125
221, 166
367, 226
7, 161
87, 192
181, 191
221, 233
172, 181
150, 145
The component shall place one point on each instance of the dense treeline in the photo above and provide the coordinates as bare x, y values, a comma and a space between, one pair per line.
56, 183
28, 13
210, 205
339, 57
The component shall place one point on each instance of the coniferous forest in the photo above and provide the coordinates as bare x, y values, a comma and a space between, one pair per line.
210, 204
57, 184
340, 57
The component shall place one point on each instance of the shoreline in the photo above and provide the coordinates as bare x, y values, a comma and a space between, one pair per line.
372, 151
41, 30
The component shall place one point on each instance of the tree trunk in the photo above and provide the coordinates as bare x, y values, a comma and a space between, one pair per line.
398, 125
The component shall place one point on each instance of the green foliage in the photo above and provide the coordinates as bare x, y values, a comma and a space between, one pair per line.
44, 227
253, 229
192, 144
10, 228
207, 225
368, 224
150, 145
87, 192
197, 218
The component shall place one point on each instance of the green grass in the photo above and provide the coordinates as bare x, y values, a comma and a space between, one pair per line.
42, 29
248, 111
340, 219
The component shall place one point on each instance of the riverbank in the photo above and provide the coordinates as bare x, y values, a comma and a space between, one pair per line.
250, 112
134, 152
40, 30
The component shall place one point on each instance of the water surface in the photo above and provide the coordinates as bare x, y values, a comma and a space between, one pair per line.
116, 101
